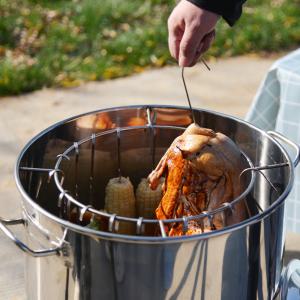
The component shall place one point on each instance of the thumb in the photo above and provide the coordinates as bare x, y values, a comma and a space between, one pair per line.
189, 45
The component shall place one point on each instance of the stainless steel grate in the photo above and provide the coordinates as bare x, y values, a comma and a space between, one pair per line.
68, 201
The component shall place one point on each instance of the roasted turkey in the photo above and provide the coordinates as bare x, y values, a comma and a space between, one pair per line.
201, 170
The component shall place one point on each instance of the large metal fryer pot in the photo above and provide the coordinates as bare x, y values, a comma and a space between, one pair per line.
243, 261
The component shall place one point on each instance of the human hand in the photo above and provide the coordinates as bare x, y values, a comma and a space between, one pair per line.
191, 32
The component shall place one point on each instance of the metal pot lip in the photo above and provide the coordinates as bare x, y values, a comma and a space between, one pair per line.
145, 239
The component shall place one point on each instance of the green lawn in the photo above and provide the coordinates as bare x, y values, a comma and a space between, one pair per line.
64, 42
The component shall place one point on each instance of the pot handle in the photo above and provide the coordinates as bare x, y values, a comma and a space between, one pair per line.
278, 136
289, 286
35, 253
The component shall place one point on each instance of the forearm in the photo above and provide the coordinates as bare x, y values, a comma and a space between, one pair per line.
230, 10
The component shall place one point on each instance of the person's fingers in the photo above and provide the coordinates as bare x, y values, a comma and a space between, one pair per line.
203, 47
207, 41
187, 25
175, 36
189, 45
174, 44
197, 55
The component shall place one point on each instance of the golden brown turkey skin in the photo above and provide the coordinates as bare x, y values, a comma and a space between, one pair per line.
202, 171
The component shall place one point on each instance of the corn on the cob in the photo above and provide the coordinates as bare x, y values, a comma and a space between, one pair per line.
120, 200
147, 199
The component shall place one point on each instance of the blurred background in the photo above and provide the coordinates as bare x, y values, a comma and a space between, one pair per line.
63, 43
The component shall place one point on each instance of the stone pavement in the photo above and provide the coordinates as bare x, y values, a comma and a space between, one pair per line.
229, 88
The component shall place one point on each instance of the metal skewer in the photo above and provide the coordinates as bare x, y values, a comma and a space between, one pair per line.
187, 95
186, 91
205, 64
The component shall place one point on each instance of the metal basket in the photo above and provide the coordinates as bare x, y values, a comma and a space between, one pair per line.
57, 172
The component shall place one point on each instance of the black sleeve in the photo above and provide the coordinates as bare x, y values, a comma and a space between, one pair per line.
230, 10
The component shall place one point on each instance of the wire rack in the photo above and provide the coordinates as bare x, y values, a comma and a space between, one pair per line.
67, 201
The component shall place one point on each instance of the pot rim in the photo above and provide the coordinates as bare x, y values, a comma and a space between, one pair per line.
146, 239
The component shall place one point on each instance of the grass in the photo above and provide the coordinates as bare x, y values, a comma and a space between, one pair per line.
66, 42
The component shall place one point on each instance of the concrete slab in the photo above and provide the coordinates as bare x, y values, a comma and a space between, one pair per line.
229, 88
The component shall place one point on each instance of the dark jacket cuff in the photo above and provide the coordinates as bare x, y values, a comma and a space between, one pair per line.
230, 10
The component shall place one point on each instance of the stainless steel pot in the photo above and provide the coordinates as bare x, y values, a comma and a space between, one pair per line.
242, 261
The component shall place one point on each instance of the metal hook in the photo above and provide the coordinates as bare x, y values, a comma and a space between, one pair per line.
186, 90
83, 211
93, 138
162, 229
63, 156
139, 226
267, 167
228, 205
76, 148
118, 131
149, 120
52, 172
91, 179
152, 147
260, 168
64, 208
187, 95
207, 215
184, 225
111, 222
60, 198
205, 64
